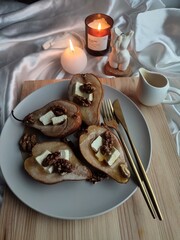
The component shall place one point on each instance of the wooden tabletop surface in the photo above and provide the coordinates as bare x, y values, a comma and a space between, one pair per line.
131, 220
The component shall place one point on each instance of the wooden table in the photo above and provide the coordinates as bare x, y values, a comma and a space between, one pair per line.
132, 220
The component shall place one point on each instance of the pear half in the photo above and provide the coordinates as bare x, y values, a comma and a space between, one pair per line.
114, 171
37, 172
70, 125
91, 113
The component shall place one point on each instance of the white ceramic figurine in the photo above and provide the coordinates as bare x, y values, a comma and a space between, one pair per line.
119, 58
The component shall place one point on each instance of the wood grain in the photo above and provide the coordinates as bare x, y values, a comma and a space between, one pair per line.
131, 220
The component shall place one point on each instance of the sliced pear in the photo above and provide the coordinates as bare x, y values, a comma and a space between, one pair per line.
115, 171
37, 172
91, 113
70, 125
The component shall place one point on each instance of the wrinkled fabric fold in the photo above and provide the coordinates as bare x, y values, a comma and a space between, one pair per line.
159, 43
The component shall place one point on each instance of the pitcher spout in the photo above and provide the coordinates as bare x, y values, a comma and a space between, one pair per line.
143, 72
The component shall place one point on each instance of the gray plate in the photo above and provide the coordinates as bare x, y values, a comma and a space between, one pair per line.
68, 200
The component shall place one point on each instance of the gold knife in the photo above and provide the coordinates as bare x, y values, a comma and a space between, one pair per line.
120, 117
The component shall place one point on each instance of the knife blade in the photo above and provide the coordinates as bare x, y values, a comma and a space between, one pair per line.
119, 114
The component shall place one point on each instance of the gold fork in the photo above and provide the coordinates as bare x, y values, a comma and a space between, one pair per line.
110, 121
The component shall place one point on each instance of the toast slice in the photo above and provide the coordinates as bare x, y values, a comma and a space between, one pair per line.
119, 169
37, 172
91, 112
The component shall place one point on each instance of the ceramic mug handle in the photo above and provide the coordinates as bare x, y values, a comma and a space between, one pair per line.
176, 91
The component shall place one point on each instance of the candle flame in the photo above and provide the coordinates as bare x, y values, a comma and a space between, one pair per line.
99, 26
71, 45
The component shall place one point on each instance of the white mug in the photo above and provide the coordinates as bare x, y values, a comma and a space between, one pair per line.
153, 88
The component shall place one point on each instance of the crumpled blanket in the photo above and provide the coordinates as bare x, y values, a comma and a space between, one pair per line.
32, 38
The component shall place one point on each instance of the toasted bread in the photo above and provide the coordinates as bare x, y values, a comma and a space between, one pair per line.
69, 126
91, 113
37, 172
113, 171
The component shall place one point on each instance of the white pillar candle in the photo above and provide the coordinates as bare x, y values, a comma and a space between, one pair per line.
73, 59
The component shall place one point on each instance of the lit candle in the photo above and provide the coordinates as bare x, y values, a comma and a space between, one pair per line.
73, 59
98, 33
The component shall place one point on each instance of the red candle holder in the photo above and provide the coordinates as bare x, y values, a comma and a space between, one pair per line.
98, 33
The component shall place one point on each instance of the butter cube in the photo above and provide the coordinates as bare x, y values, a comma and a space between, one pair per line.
97, 143
49, 169
100, 156
90, 97
78, 92
41, 157
46, 118
59, 119
113, 157
65, 154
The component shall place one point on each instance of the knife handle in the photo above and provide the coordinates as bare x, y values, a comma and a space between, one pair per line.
141, 183
146, 180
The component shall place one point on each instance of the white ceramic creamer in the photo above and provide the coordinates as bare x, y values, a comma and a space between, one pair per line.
153, 88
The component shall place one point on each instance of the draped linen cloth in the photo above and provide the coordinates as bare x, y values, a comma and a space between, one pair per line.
32, 38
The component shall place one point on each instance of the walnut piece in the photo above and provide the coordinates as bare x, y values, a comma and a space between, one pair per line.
63, 166
124, 170
29, 119
87, 88
108, 142
97, 176
59, 164
27, 142
84, 102
58, 110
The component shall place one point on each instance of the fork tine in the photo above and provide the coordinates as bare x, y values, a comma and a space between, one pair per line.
107, 109
110, 108
103, 110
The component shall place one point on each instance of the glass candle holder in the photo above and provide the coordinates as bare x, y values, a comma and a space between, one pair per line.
98, 33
